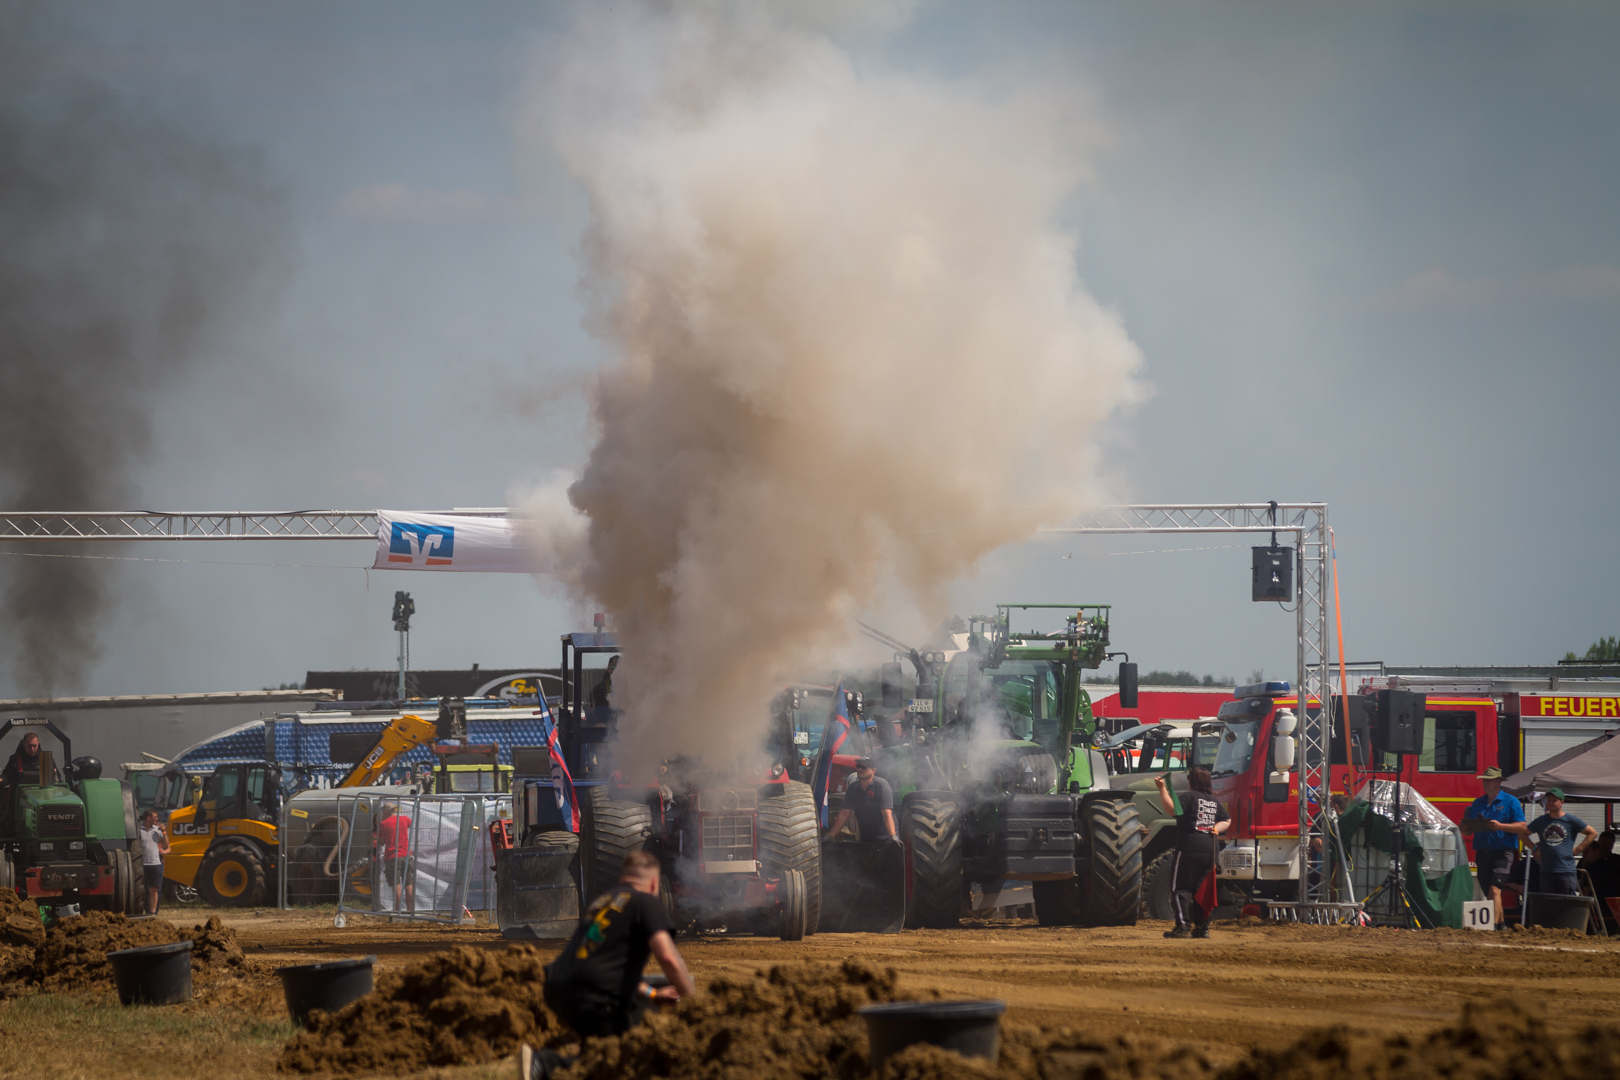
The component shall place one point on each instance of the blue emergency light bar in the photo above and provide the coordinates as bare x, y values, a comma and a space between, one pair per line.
1262, 689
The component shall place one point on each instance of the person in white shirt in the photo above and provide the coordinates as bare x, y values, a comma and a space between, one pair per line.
154, 845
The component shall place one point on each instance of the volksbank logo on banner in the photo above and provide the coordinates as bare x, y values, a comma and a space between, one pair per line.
484, 543
430, 545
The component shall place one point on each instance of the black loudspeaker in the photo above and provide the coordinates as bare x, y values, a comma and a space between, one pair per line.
1397, 726
1273, 574
1127, 685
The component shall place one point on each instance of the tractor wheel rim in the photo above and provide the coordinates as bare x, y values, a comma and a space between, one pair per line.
230, 878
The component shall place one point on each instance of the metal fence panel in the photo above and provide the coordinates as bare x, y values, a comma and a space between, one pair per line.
414, 857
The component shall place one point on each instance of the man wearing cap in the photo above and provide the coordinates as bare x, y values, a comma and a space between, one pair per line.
1562, 838
871, 800
1496, 821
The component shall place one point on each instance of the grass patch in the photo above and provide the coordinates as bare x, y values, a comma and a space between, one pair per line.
64, 1037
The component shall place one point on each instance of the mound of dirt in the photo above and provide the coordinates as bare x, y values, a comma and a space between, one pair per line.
798, 1021
464, 1006
20, 926
73, 954
1502, 1039
1498, 1040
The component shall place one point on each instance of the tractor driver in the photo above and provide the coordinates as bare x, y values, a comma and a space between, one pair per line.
871, 800
22, 766
25, 762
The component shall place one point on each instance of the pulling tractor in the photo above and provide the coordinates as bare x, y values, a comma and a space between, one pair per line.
68, 843
997, 781
739, 854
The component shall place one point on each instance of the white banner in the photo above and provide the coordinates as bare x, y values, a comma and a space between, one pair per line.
489, 545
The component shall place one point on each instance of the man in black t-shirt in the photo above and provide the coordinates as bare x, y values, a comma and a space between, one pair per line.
871, 801
594, 983
1200, 821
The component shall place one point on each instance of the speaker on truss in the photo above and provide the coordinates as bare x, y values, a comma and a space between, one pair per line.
1397, 726
1273, 574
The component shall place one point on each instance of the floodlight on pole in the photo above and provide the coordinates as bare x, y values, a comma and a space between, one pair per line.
404, 608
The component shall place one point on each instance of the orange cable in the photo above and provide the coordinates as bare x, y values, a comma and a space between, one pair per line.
1344, 685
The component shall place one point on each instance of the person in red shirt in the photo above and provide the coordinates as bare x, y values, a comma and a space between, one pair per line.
394, 842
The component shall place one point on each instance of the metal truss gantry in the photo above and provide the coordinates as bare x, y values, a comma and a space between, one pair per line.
1308, 523
154, 525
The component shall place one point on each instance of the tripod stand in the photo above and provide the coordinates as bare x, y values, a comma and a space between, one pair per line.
1393, 891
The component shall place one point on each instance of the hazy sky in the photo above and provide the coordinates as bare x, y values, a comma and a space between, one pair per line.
1370, 252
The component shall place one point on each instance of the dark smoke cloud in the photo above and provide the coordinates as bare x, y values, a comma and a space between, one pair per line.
128, 245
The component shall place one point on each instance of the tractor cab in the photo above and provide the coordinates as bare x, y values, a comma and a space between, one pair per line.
583, 724
240, 792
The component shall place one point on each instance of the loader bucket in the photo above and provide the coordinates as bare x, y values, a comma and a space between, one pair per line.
863, 888
536, 893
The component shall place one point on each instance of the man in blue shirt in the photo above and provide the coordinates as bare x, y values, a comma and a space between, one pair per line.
1496, 821
1562, 838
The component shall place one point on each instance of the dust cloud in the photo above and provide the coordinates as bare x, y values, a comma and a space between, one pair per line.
852, 353
127, 244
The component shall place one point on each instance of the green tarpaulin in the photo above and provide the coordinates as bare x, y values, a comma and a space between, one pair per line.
1439, 900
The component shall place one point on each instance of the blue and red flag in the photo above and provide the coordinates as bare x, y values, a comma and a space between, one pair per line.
562, 782
832, 738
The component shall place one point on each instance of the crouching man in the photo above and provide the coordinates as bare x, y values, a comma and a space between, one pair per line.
595, 982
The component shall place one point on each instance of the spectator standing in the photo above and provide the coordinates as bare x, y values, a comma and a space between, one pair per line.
1563, 837
1201, 819
154, 845
394, 840
1496, 822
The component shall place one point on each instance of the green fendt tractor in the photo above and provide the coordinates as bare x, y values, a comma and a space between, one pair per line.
67, 843
996, 778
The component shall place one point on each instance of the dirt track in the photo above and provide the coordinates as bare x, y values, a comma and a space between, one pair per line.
1245, 986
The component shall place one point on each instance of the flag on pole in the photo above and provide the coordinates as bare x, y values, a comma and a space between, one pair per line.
1175, 800
562, 782
832, 738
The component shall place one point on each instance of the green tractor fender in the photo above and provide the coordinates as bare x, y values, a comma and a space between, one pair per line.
109, 811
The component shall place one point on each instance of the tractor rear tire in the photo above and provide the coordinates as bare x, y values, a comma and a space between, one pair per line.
934, 846
232, 875
609, 830
1111, 885
790, 839
1158, 885
122, 901
792, 896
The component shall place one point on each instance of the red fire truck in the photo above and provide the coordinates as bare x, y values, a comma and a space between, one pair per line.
1468, 726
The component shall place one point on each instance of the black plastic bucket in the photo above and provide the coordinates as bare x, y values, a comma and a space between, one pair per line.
1559, 911
971, 1028
153, 974
328, 986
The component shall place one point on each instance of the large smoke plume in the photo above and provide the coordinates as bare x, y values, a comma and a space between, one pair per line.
852, 349
126, 244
